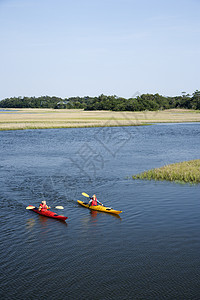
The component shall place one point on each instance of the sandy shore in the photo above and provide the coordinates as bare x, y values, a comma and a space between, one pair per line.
13, 119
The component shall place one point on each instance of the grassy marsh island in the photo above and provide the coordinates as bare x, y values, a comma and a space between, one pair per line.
39, 118
185, 172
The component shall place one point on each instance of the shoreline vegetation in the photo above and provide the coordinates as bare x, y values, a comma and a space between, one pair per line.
183, 172
43, 118
138, 102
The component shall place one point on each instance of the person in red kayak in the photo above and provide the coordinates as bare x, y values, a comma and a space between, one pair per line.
94, 201
43, 206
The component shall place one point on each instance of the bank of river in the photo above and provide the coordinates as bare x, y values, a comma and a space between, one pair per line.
14, 119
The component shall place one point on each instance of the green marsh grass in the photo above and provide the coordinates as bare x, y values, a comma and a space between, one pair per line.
183, 172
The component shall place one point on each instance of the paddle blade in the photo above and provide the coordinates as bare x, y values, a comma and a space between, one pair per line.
59, 207
86, 195
30, 207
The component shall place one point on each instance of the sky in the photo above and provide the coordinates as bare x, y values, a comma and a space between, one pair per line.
69, 48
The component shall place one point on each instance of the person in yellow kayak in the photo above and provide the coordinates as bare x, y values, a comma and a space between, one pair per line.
43, 206
94, 201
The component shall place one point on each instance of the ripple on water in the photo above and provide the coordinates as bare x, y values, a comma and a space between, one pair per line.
151, 251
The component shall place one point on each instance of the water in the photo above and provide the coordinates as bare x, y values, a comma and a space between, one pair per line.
150, 252
8, 111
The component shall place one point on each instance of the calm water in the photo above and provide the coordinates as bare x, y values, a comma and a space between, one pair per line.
150, 252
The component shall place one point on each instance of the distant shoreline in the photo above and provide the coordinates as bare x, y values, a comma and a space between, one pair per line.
35, 118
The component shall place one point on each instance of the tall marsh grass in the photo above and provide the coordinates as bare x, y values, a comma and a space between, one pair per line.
186, 172
66, 118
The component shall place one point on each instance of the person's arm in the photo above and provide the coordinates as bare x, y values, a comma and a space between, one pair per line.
99, 202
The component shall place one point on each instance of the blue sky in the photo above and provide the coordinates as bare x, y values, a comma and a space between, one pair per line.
71, 48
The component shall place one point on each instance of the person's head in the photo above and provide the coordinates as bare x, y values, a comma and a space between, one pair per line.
44, 202
94, 197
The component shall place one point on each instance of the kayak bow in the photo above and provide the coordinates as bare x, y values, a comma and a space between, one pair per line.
50, 214
100, 208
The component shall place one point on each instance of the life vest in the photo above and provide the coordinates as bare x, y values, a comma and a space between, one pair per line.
94, 202
43, 207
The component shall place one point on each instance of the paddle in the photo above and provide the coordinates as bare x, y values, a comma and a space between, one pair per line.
31, 207
86, 195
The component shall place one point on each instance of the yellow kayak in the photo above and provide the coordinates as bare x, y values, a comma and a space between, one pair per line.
100, 208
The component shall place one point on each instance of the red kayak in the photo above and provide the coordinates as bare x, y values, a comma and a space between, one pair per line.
49, 214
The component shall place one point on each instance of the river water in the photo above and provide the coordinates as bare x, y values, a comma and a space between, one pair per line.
150, 252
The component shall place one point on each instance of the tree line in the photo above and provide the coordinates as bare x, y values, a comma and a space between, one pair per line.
142, 102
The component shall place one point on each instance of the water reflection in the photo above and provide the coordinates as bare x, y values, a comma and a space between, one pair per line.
44, 221
30, 223
95, 213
